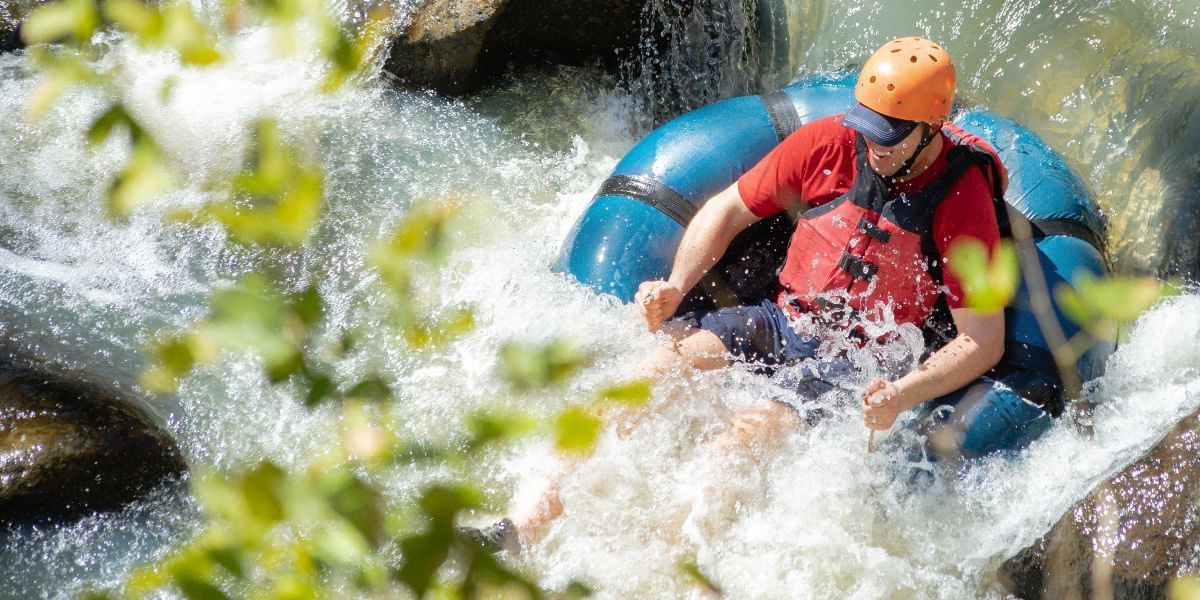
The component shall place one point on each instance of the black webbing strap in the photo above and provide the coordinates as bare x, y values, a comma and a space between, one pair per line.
668, 201
671, 203
782, 112
1043, 228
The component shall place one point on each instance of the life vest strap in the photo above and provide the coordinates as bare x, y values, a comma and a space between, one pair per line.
857, 267
873, 231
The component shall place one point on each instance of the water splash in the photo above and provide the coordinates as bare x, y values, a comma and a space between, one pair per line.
528, 155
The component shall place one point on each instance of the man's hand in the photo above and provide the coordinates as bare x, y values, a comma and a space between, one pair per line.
881, 404
657, 301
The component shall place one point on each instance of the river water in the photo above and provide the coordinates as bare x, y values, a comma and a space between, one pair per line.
1111, 85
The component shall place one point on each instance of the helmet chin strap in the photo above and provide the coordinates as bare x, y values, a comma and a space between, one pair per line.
906, 168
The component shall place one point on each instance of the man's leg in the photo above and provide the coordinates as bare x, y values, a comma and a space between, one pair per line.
699, 349
761, 431
538, 502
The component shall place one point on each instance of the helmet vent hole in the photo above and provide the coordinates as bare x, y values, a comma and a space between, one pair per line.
931, 57
934, 46
912, 59
891, 87
872, 79
895, 50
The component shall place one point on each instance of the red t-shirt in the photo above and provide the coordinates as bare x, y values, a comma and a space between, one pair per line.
816, 164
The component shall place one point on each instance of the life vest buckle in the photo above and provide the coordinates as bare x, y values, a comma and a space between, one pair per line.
873, 231
857, 267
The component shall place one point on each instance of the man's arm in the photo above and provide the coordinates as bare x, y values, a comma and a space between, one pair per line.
704, 243
977, 348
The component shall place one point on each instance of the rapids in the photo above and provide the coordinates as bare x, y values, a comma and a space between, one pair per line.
1109, 84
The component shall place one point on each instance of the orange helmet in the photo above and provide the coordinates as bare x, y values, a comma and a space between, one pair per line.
908, 78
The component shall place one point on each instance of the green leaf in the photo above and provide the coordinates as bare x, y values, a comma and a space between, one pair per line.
291, 586
103, 126
1101, 305
423, 555
260, 491
441, 331
135, 17
1186, 587
320, 388
487, 577
635, 393
229, 557
341, 544
144, 177
441, 502
184, 32
578, 590
96, 595
198, 589
526, 366
374, 388
354, 501
307, 305
989, 285
698, 578
576, 430
55, 21
487, 428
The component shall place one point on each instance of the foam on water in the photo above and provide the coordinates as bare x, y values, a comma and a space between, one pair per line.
820, 518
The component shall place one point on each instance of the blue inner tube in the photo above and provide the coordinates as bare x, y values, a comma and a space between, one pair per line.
633, 226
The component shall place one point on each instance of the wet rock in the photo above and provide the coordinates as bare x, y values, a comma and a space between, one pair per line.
12, 13
455, 46
11, 39
70, 448
1129, 538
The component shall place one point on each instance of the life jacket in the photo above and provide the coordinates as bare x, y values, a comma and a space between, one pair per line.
868, 253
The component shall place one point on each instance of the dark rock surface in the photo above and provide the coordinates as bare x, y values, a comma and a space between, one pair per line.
455, 45
1129, 537
700, 50
70, 448
10, 39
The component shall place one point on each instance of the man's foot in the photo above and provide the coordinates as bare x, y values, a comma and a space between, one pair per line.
500, 536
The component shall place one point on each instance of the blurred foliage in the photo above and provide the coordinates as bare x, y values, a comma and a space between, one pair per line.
988, 282
1102, 305
527, 366
275, 200
1184, 588
698, 579
1099, 306
326, 529
145, 175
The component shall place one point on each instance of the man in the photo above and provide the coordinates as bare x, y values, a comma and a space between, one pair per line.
857, 253
887, 189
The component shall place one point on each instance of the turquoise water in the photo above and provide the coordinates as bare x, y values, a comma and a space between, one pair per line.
1111, 85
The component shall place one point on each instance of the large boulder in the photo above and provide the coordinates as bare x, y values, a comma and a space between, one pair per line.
455, 46
1129, 537
70, 448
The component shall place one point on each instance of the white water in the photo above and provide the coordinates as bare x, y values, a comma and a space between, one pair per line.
822, 519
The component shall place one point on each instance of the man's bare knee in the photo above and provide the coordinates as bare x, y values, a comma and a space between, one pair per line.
696, 348
758, 429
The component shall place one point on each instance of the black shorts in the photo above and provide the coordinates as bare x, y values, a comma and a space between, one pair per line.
761, 334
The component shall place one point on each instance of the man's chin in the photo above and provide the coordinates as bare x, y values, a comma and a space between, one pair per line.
884, 170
